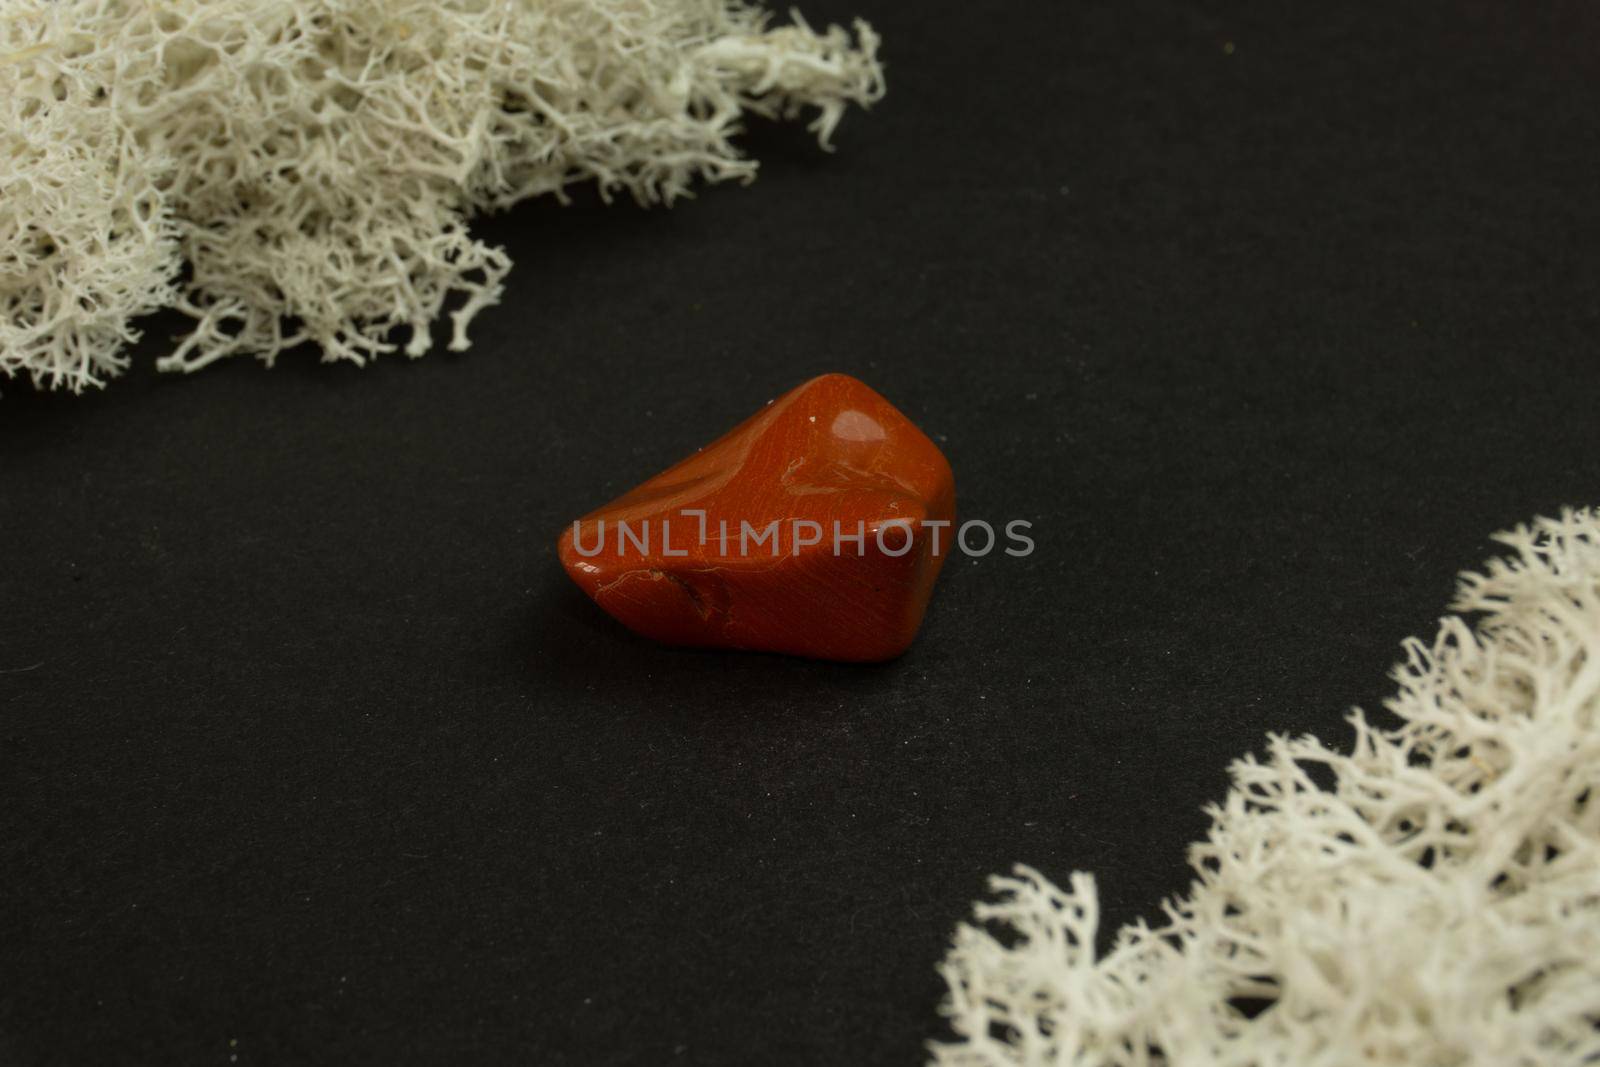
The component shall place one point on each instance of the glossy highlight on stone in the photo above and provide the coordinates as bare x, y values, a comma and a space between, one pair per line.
680, 560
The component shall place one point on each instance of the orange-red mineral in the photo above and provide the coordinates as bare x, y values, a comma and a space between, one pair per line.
816, 528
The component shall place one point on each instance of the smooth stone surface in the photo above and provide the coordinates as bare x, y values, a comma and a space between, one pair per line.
829, 451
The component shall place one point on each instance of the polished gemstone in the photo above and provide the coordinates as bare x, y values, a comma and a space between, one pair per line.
815, 528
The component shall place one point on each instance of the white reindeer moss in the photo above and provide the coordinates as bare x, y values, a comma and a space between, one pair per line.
1437, 904
303, 170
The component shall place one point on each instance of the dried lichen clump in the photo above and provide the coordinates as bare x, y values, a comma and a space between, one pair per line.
313, 164
1439, 903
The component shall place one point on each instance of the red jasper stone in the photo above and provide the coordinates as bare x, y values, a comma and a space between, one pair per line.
736, 546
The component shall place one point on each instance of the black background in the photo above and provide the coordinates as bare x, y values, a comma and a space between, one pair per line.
308, 751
